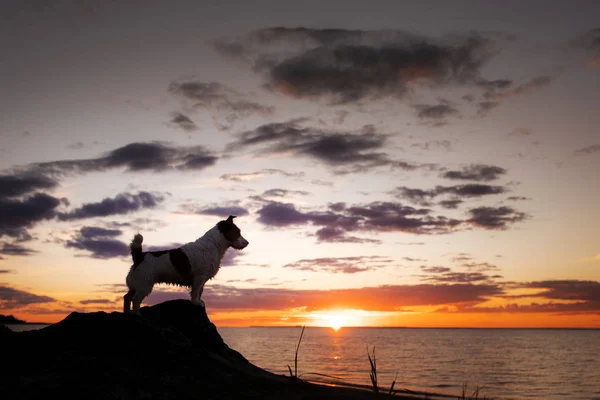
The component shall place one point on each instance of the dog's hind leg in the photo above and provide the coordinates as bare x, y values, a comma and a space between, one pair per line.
197, 288
127, 300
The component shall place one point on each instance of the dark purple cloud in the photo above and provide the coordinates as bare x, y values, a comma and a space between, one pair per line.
248, 176
435, 269
436, 112
99, 243
332, 234
343, 265
24, 183
527, 87
372, 217
217, 96
483, 107
153, 156
451, 204
96, 301
283, 193
93, 231
421, 196
218, 211
183, 122
557, 297
13, 298
13, 249
588, 291
475, 172
123, 203
345, 152
346, 66
379, 298
377, 217
495, 217
461, 277
18, 215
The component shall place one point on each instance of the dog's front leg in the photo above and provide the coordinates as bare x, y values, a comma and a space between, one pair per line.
197, 288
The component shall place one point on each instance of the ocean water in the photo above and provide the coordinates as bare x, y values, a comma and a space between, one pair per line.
506, 363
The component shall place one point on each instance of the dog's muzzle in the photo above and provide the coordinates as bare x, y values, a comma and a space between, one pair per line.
240, 243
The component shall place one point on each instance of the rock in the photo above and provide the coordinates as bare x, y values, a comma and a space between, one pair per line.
171, 351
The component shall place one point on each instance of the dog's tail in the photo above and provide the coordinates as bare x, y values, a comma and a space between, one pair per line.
136, 249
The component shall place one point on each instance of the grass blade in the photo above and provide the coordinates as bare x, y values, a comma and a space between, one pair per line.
296, 355
373, 373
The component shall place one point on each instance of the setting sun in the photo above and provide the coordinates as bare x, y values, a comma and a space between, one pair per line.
335, 322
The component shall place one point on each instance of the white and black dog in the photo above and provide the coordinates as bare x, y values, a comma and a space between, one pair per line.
192, 264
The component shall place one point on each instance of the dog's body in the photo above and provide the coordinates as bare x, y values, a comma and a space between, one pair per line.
192, 264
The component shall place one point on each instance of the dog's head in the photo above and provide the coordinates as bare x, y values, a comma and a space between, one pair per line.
232, 233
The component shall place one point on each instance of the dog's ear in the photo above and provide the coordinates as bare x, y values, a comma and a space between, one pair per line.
230, 219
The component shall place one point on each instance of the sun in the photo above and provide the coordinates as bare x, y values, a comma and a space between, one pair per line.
335, 322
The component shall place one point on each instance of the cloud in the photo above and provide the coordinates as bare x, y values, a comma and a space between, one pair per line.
451, 204
331, 234
14, 298
518, 198
497, 84
22, 205
421, 196
218, 98
532, 85
435, 270
11, 249
343, 265
123, 203
346, 66
283, 193
93, 231
461, 277
481, 266
17, 215
483, 107
345, 152
590, 39
373, 217
579, 290
223, 211
475, 172
99, 242
588, 150
153, 156
434, 145
559, 296
231, 259
183, 122
251, 176
495, 217
24, 183
378, 298
96, 301
437, 112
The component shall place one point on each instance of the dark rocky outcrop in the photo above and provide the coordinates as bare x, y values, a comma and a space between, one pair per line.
172, 351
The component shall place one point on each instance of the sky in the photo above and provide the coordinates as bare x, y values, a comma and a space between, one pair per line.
392, 163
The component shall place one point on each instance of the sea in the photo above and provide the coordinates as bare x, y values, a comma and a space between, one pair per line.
509, 364
502, 363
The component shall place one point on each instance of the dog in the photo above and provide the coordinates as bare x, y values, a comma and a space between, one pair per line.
192, 264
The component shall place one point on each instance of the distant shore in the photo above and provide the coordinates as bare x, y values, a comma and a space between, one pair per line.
11, 320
